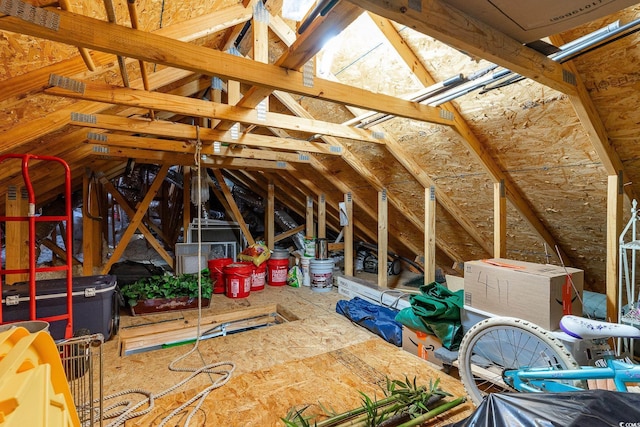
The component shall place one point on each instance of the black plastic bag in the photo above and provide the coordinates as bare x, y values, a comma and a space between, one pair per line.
589, 408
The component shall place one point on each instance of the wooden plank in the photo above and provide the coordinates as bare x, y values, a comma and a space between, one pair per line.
17, 234
58, 251
211, 320
151, 239
135, 221
269, 216
614, 228
184, 147
91, 238
336, 246
181, 130
201, 108
429, 235
30, 130
499, 220
163, 157
157, 340
304, 47
290, 233
348, 235
383, 238
310, 229
234, 207
95, 34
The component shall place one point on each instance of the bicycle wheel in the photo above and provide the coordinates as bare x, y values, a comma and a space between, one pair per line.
503, 343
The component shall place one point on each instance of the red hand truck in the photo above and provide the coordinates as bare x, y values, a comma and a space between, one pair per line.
32, 218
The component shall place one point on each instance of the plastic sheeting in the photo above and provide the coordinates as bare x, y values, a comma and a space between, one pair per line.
376, 318
590, 408
436, 311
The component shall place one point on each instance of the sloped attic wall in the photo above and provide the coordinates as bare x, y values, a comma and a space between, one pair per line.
530, 131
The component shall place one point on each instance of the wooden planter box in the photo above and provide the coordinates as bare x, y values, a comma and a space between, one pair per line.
161, 305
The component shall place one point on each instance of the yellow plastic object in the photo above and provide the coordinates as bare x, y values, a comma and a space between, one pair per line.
33, 386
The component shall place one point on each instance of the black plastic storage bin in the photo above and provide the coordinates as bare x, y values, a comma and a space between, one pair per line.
95, 304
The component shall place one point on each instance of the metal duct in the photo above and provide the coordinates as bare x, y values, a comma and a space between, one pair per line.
567, 51
285, 221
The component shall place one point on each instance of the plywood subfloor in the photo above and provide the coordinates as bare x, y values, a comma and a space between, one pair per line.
321, 360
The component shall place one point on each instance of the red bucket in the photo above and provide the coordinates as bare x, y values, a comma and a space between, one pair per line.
277, 271
215, 272
259, 277
238, 279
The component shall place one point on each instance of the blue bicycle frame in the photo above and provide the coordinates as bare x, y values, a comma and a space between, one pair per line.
554, 380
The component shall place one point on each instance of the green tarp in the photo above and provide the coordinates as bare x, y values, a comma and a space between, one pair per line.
436, 311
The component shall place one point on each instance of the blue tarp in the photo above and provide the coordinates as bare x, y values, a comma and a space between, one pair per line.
376, 318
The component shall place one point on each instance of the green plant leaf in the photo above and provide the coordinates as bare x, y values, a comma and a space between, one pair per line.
169, 286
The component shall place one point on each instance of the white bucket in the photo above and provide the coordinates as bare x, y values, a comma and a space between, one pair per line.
306, 274
321, 272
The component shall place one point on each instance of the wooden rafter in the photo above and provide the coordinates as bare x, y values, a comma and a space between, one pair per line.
371, 178
170, 146
163, 157
595, 129
468, 34
475, 146
355, 163
305, 47
136, 219
185, 131
201, 108
190, 30
95, 34
29, 130
233, 206
130, 212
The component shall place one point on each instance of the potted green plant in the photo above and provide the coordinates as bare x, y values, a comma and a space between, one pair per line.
167, 292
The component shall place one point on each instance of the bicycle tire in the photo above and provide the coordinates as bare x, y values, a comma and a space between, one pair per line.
496, 344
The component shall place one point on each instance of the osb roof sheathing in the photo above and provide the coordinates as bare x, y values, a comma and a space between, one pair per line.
530, 131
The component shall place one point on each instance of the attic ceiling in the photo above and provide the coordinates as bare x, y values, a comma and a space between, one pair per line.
550, 142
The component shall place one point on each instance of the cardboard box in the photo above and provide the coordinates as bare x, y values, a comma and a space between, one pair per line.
521, 289
421, 344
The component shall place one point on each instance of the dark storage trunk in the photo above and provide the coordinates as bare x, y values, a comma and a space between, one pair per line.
95, 304
128, 271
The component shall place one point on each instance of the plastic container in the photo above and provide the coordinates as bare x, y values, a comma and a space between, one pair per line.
277, 270
216, 272
238, 279
280, 254
32, 326
34, 390
259, 277
95, 305
306, 274
321, 272
309, 247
